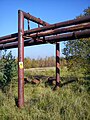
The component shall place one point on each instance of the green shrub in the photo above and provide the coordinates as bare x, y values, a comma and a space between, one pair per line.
8, 71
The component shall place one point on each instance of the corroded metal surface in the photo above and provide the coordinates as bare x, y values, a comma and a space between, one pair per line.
51, 39
20, 59
52, 26
57, 65
49, 33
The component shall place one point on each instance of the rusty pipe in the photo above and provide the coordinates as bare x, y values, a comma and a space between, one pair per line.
51, 32
52, 26
61, 30
34, 19
52, 39
60, 24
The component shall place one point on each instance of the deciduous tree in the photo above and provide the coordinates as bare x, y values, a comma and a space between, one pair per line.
77, 52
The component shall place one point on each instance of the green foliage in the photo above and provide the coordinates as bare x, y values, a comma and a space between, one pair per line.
1, 79
71, 102
9, 69
27, 63
86, 11
77, 52
40, 62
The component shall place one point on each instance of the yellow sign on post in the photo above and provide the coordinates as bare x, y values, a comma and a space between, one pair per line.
21, 65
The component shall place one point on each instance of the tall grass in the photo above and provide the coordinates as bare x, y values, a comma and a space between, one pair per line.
70, 102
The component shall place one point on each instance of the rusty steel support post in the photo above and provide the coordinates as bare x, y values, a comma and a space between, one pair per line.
28, 24
20, 59
57, 66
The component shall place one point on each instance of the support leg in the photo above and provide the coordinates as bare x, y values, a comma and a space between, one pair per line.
20, 59
57, 66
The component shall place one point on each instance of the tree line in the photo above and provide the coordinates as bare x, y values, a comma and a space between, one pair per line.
42, 62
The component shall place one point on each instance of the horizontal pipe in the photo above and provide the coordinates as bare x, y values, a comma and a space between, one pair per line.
70, 36
60, 24
15, 44
62, 30
53, 39
51, 32
9, 36
9, 40
52, 26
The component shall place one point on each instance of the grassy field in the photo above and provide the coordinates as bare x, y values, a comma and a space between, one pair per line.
70, 102
40, 69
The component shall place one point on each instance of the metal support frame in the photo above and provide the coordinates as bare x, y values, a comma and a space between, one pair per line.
21, 16
51, 39
81, 20
28, 24
20, 59
57, 66
49, 33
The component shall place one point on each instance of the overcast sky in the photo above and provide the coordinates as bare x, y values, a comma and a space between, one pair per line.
51, 11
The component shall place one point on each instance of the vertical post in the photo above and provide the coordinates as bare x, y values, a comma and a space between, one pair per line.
28, 24
20, 59
57, 66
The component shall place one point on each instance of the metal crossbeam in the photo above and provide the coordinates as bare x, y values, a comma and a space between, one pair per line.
48, 33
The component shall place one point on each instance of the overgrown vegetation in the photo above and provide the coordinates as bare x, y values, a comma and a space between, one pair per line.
77, 52
40, 62
8, 70
70, 102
